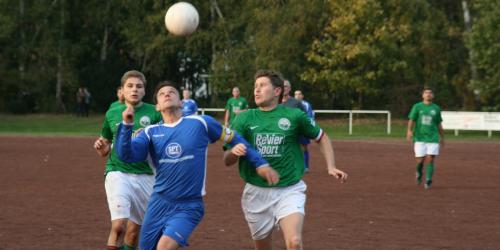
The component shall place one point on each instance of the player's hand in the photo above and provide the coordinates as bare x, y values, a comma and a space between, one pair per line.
441, 142
100, 143
339, 174
269, 174
239, 150
409, 135
102, 146
128, 114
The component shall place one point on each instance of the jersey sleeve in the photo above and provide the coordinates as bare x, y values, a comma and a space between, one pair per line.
217, 132
131, 150
106, 130
309, 128
413, 113
228, 105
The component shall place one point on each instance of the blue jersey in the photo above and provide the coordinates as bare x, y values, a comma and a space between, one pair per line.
308, 109
189, 107
179, 153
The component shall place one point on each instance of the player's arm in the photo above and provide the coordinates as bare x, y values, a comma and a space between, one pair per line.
441, 134
103, 144
130, 150
309, 128
412, 117
242, 148
409, 130
325, 145
195, 108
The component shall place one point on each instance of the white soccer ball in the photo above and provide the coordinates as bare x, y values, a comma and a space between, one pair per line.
182, 19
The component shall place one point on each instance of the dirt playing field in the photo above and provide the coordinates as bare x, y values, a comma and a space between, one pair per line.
52, 197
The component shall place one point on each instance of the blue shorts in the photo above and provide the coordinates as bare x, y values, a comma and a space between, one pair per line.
176, 220
304, 141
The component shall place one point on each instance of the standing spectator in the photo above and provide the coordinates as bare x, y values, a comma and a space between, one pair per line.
86, 101
189, 106
80, 102
304, 142
426, 131
234, 106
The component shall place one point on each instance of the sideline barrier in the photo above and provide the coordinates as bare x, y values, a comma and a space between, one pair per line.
462, 120
350, 112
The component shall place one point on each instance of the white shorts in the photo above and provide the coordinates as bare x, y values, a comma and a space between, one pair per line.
128, 195
425, 148
264, 207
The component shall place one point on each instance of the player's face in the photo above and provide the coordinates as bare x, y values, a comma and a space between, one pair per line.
428, 95
298, 95
236, 92
168, 98
133, 90
287, 89
265, 93
119, 95
186, 94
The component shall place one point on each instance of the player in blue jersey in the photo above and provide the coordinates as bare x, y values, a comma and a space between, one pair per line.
189, 106
304, 142
178, 151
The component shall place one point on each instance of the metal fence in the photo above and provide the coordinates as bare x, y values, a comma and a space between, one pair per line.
321, 111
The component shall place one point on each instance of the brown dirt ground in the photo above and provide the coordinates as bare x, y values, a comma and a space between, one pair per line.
52, 197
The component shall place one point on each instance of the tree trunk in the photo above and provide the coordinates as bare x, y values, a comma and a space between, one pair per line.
60, 107
468, 28
105, 37
22, 48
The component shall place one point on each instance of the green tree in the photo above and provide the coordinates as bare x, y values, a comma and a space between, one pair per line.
380, 54
484, 43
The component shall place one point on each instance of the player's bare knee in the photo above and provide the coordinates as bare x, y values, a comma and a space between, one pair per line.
294, 243
118, 227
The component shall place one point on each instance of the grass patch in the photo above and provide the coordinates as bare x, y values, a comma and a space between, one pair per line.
338, 128
50, 124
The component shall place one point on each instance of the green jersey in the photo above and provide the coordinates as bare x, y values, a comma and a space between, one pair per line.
115, 104
144, 115
235, 104
427, 119
275, 134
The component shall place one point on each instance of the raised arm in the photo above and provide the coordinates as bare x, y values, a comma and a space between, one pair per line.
130, 150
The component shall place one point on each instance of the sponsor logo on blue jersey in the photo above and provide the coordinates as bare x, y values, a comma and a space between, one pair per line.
174, 150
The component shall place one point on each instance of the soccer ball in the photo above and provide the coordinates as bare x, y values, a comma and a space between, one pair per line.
181, 19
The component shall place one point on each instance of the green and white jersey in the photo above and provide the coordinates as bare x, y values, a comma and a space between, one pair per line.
144, 115
235, 104
275, 134
427, 119
115, 104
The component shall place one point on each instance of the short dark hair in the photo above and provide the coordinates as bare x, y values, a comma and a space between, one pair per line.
426, 88
162, 84
133, 73
275, 78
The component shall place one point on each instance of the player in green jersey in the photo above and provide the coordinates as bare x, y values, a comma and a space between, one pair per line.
426, 132
234, 106
128, 186
274, 131
119, 96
